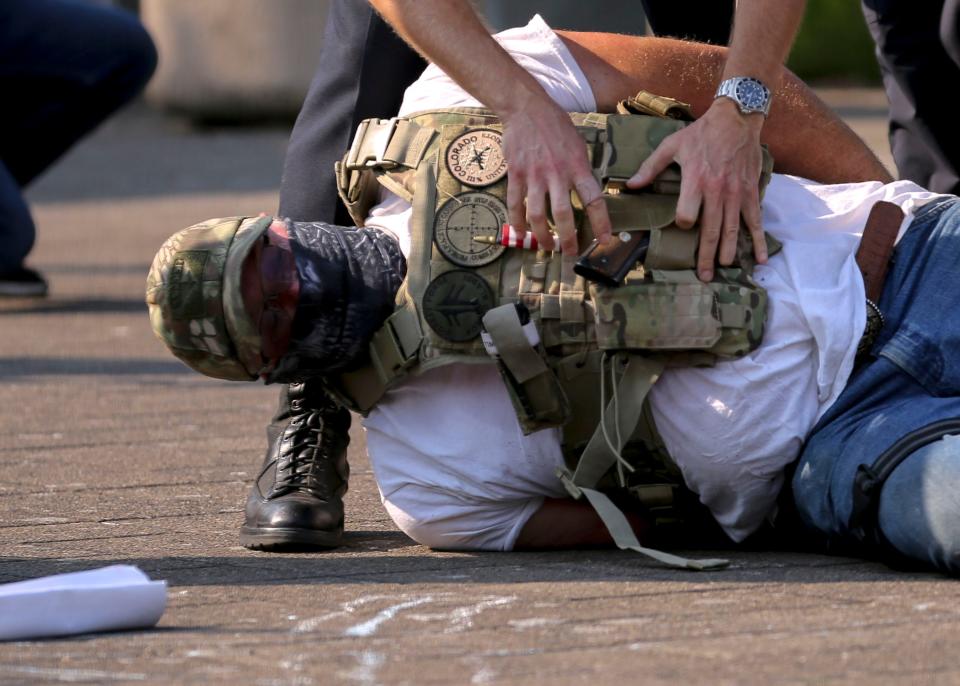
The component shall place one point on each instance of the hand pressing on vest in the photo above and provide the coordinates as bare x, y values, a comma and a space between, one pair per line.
720, 157
547, 160
545, 156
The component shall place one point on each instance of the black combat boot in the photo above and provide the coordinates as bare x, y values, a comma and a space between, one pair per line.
297, 499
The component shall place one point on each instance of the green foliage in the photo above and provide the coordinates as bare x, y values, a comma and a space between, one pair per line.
834, 44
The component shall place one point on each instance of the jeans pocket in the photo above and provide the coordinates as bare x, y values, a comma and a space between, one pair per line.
922, 358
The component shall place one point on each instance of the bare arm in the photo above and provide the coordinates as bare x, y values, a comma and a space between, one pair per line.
545, 156
568, 523
720, 153
805, 137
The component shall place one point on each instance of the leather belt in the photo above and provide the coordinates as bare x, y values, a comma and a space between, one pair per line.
873, 258
876, 246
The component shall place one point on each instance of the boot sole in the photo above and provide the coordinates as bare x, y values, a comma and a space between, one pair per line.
288, 539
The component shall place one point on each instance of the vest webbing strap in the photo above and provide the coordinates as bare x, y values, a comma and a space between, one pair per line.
617, 425
421, 224
523, 361
619, 420
571, 299
393, 349
624, 538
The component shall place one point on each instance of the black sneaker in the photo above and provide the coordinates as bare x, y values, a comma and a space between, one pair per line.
22, 283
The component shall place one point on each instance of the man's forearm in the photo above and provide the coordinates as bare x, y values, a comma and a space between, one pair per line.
720, 152
451, 35
763, 33
547, 158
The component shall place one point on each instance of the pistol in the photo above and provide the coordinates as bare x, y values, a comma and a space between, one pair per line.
609, 264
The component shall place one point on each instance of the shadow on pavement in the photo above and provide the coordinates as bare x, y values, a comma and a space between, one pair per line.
388, 557
73, 306
11, 367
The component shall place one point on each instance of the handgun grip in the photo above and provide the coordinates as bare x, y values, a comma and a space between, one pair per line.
609, 264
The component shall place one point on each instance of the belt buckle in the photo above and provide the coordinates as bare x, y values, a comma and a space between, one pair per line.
367, 154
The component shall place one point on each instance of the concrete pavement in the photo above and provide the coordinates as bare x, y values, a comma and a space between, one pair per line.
111, 451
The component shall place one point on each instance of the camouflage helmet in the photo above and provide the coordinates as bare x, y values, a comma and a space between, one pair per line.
195, 302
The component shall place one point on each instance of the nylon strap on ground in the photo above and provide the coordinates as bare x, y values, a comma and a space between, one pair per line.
625, 539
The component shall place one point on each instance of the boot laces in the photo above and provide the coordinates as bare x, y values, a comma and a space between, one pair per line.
305, 463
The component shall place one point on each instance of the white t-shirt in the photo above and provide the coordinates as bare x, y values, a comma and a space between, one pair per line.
454, 469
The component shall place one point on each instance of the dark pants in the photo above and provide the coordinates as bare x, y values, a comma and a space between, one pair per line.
65, 65
919, 54
364, 70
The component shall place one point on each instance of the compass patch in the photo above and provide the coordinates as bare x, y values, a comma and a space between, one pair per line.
463, 218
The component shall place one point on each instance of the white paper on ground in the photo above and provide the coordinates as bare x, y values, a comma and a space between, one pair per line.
106, 599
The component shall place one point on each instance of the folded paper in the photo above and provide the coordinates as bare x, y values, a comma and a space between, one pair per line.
107, 599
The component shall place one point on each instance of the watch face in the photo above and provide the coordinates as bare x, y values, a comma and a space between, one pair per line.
752, 94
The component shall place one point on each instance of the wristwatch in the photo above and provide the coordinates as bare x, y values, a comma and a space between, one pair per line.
750, 94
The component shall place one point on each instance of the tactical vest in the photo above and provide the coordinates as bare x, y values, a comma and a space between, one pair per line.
572, 353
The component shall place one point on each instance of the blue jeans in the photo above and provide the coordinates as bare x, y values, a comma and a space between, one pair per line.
65, 65
911, 382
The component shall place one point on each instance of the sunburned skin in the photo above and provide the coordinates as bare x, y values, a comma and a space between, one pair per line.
279, 276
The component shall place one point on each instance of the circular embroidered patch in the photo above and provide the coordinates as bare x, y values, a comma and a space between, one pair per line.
464, 218
476, 158
454, 304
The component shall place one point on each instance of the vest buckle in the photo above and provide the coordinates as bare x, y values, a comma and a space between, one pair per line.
370, 143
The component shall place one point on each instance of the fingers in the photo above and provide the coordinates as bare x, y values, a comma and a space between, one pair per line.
591, 197
516, 211
718, 207
752, 218
563, 216
527, 207
546, 156
720, 224
658, 160
564, 220
537, 215
730, 231
689, 202
709, 233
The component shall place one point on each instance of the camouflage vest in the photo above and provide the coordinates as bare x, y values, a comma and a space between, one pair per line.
573, 354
